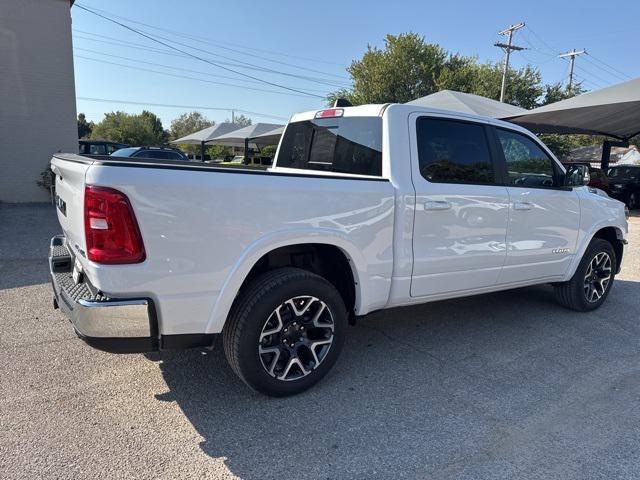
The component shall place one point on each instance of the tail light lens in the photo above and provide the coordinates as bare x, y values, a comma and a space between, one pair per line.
110, 227
330, 113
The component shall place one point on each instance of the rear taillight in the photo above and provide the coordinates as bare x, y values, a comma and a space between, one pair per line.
110, 227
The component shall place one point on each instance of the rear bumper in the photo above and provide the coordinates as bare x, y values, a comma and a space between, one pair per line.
114, 325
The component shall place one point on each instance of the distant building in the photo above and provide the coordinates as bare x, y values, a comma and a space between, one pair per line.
593, 154
37, 93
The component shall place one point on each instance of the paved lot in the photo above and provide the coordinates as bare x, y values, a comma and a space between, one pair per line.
507, 385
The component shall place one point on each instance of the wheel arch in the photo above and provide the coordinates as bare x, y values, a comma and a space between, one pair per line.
297, 250
612, 233
614, 236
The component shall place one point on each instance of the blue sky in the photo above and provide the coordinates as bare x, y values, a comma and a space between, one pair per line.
317, 40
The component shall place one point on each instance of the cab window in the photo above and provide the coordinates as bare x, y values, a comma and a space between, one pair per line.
451, 151
350, 145
528, 165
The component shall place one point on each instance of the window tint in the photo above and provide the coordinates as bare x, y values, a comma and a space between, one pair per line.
527, 164
624, 172
159, 154
454, 152
97, 150
112, 148
124, 152
174, 156
346, 145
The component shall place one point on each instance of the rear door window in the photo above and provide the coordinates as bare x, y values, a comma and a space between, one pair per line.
345, 145
452, 151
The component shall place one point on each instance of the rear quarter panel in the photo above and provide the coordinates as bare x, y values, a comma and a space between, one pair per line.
204, 230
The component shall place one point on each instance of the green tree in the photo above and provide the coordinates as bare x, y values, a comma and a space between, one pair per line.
405, 69
241, 120
408, 68
561, 145
556, 92
84, 127
133, 129
186, 124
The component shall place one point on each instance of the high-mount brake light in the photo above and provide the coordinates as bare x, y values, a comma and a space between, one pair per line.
330, 113
110, 227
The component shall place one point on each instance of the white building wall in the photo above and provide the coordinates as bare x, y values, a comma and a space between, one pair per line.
37, 93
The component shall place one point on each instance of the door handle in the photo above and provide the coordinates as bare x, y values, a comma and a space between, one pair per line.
437, 205
522, 205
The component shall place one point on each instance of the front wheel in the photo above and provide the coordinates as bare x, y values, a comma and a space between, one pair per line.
590, 285
632, 201
285, 331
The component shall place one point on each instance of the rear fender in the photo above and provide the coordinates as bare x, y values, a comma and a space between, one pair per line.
366, 285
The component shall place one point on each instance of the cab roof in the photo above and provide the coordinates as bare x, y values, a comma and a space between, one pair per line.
377, 110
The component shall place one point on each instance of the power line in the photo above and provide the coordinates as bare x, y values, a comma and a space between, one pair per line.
593, 75
212, 42
191, 107
584, 80
205, 40
551, 49
273, 84
186, 77
614, 71
181, 69
508, 48
239, 63
243, 65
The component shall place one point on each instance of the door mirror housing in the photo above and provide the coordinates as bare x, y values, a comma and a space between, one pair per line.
577, 176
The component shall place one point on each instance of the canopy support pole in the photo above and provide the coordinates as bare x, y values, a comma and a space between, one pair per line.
246, 151
606, 151
202, 151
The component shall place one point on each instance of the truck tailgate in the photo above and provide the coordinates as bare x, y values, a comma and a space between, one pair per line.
70, 173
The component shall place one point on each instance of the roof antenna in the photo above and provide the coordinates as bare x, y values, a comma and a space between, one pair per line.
342, 102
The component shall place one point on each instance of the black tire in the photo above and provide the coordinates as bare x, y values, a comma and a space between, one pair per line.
573, 294
251, 313
632, 200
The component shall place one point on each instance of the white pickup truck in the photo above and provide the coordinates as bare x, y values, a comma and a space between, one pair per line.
365, 208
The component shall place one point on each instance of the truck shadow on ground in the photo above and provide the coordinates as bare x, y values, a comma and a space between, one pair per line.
473, 388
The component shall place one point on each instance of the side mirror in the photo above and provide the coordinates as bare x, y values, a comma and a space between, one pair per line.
577, 176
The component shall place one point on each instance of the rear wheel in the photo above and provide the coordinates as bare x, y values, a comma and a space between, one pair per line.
285, 332
590, 285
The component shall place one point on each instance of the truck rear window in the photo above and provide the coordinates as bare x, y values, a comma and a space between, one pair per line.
345, 145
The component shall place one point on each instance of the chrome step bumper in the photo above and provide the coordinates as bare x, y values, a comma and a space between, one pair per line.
113, 325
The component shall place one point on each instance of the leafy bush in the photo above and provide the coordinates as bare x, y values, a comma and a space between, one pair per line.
47, 180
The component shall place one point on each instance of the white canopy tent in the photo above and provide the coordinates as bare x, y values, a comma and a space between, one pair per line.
242, 136
205, 135
468, 103
632, 157
272, 137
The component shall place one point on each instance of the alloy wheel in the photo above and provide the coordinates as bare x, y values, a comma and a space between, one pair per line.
597, 277
296, 338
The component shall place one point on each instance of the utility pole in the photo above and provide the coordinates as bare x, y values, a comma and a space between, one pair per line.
572, 58
233, 116
508, 48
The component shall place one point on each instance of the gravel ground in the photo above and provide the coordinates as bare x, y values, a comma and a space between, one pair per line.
507, 385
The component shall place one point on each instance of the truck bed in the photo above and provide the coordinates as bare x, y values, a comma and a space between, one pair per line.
204, 227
